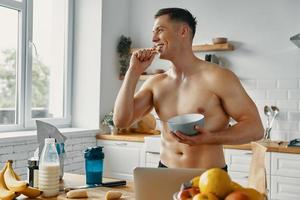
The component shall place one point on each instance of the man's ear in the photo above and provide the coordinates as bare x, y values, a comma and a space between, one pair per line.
184, 30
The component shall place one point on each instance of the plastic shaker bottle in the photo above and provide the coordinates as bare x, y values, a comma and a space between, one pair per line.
94, 165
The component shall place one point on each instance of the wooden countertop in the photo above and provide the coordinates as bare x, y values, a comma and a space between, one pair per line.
73, 180
131, 137
273, 146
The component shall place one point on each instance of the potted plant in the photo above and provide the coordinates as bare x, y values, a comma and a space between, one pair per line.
123, 50
108, 122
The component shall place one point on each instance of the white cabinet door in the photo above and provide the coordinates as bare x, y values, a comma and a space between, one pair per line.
121, 158
242, 179
285, 188
152, 159
239, 160
284, 164
239, 177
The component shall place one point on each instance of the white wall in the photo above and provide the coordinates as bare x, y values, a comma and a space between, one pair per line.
264, 58
260, 31
87, 64
115, 22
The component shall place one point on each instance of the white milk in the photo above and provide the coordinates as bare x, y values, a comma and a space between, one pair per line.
49, 180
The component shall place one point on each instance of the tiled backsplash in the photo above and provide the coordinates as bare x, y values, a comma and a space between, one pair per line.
283, 93
19, 151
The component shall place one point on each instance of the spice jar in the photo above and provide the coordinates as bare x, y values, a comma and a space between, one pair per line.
33, 172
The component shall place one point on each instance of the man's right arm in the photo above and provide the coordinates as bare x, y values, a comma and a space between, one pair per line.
129, 107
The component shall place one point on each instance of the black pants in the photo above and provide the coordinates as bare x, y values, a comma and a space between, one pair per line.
160, 165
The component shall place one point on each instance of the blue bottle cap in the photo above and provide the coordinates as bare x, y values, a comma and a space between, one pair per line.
94, 153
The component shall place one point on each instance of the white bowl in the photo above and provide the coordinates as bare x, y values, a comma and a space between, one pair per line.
186, 123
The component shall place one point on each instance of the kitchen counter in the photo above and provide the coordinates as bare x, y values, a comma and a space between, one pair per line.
73, 180
131, 137
272, 146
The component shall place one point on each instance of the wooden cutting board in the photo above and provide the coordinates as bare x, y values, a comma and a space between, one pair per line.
75, 180
99, 194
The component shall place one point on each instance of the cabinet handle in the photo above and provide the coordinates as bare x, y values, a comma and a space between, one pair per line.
121, 144
248, 153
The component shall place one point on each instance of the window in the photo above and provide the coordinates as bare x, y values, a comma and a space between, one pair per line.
35, 62
8, 65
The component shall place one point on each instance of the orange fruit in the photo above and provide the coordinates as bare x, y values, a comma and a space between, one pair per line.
215, 181
195, 181
253, 194
235, 186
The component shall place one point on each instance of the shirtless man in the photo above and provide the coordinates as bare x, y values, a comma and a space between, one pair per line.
191, 85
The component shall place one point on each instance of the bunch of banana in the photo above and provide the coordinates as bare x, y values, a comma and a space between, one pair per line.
12, 185
5, 193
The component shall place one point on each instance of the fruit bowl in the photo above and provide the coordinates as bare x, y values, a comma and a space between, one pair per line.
186, 123
216, 184
175, 195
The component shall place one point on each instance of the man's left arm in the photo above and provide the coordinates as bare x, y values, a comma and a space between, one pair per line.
238, 105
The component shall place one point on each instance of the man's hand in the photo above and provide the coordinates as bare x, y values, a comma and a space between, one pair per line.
141, 60
203, 137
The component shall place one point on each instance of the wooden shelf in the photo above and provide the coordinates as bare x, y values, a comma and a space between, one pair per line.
213, 47
205, 47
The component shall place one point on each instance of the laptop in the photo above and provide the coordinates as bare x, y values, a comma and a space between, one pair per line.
160, 183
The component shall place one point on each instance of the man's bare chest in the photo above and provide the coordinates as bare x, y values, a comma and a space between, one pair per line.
170, 101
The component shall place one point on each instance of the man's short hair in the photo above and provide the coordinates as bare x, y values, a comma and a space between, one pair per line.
181, 15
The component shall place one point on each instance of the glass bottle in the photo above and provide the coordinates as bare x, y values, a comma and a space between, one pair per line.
49, 169
33, 172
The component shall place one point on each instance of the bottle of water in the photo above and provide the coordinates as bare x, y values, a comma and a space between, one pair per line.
49, 169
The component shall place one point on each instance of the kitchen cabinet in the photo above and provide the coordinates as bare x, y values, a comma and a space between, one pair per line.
285, 164
285, 176
152, 159
152, 149
283, 172
282, 164
121, 157
238, 162
285, 188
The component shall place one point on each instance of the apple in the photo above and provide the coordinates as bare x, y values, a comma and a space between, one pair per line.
237, 195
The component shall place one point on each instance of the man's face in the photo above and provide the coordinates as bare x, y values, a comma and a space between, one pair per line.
165, 36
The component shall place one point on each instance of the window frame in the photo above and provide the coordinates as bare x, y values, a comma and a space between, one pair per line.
24, 67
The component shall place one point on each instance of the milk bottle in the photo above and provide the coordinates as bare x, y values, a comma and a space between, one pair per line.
49, 169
